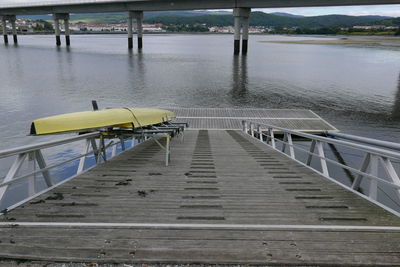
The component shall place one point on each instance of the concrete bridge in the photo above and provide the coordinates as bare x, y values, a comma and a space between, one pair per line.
135, 9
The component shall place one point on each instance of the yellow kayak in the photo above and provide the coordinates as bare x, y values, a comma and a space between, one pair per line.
127, 118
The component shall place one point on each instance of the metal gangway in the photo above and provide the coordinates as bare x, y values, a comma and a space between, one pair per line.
262, 194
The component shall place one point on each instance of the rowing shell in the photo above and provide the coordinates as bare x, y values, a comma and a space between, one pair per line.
126, 118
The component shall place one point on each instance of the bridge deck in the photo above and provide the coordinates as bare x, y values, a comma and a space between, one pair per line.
219, 185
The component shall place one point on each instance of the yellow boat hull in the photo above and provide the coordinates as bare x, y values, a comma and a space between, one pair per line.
127, 118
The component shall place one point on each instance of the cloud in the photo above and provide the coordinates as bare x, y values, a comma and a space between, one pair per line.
382, 10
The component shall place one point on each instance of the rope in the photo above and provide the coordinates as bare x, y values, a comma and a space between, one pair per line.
133, 125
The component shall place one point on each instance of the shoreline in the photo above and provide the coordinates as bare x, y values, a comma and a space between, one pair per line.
218, 33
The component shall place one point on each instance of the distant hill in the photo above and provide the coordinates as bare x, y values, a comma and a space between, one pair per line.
114, 18
225, 18
263, 19
282, 14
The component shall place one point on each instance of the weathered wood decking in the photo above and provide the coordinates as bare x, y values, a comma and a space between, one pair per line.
228, 118
225, 198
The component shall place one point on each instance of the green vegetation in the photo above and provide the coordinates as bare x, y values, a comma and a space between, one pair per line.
43, 26
270, 20
186, 28
226, 19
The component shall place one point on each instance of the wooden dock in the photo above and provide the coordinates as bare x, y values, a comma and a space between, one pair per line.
224, 199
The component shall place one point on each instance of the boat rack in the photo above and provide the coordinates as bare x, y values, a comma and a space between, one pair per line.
156, 132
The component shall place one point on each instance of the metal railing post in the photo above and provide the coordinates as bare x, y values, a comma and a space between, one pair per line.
260, 133
96, 151
363, 168
82, 161
244, 125
42, 165
312, 148
321, 153
391, 172
291, 148
373, 184
271, 134
284, 142
32, 181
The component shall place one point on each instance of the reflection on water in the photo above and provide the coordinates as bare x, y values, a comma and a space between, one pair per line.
396, 106
239, 78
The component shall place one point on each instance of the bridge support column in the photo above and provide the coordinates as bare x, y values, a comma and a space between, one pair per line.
4, 25
241, 21
57, 30
236, 42
139, 28
138, 16
67, 31
14, 29
130, 30
245, 34
57, 17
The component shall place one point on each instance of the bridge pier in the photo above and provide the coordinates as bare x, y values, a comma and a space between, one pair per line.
138, 16
241, 16
245, 34
57, 30
139, 28
4, 25
236, 42
130, 30
57, 17
14, 29
67, 31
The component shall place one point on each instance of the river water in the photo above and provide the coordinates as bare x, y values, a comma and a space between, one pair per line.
356, 88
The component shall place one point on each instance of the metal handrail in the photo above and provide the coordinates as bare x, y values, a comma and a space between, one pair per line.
43, 145
377, 151
35, 152
340, 164
365, 140
369, 168
54, 165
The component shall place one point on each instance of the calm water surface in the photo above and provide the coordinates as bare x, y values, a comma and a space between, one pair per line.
355, 88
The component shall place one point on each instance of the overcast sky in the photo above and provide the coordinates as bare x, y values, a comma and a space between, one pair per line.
388, 10
383, 10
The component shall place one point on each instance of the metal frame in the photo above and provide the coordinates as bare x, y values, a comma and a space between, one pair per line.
375, 157
95, 145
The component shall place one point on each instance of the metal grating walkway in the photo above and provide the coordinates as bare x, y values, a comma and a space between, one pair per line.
223, 199
227, 118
